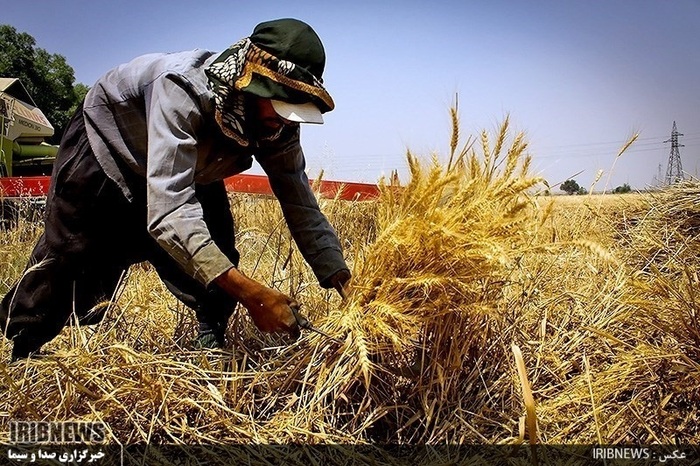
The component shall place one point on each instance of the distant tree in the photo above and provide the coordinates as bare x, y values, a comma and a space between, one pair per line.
570, 187
625, 188
47, 77
582, 191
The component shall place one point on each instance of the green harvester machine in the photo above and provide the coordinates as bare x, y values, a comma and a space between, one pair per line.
23, 135
25, 157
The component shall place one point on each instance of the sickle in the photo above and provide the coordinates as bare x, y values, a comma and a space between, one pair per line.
304, 323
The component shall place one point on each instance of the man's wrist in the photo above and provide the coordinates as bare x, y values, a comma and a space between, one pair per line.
236, 284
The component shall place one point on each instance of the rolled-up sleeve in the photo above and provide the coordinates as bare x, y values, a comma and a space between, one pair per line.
316, 239
175, 217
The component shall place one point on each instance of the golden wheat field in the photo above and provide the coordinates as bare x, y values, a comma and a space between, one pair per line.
481, 312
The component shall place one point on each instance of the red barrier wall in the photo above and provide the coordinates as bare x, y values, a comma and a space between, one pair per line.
253, 184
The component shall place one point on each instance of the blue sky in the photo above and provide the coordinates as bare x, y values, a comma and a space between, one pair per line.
578, 77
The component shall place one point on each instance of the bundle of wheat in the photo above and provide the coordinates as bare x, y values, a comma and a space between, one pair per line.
425, 321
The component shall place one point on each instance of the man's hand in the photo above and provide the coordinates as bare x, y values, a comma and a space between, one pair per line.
270, 310
341, 282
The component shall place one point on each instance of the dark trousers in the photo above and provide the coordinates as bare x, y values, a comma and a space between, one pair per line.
92, 235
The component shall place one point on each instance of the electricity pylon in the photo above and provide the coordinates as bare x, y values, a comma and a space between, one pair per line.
674, 171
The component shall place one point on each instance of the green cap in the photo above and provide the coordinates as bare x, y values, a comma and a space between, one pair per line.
294, 41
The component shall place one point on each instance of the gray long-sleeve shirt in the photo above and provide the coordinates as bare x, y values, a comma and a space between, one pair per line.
155, 117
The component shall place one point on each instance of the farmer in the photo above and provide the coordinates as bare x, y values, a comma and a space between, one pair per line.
139, 177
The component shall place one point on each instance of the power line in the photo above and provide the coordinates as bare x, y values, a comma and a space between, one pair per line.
599, 153
618, 142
